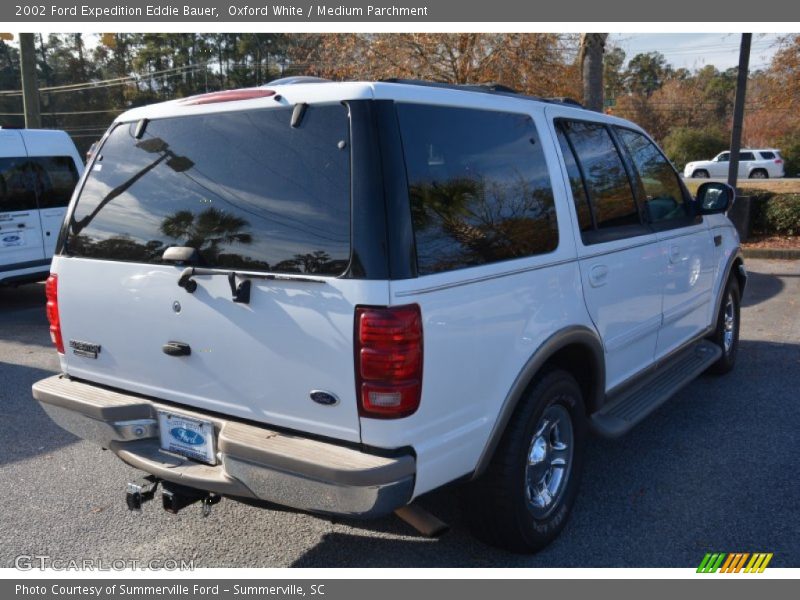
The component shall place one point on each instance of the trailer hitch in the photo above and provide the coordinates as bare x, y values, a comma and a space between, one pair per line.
175, 497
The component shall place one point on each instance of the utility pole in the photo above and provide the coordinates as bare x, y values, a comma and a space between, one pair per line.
591, 63
30, 84
738, 109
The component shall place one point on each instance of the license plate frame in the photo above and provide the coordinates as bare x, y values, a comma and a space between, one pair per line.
187, 436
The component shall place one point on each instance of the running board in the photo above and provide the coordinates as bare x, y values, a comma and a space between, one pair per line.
622, 412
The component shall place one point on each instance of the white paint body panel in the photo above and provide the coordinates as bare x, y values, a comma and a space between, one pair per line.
691, 266
255, 361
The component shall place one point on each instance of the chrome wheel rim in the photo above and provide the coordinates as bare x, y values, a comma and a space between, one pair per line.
729, 324
549, 461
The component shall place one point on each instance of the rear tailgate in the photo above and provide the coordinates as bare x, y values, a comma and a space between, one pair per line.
252, 194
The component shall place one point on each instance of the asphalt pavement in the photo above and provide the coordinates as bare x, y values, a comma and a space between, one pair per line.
714, 469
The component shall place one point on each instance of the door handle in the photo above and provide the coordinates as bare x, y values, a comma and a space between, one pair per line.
674, 253
598, 275
176, 349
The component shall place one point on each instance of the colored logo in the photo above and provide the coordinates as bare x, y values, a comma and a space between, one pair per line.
734, 562
187, 436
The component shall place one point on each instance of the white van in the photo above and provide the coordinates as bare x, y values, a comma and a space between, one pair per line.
38, 171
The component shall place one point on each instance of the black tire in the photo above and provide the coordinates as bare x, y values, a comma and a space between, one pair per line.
759, 174
498, 506
730, 298
700, 174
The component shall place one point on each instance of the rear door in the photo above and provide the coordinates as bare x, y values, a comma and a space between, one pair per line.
20, 227
620, 263
251, 194
55, 167
747, 162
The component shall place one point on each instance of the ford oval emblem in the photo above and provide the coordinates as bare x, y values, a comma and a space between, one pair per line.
324, 398
187, 436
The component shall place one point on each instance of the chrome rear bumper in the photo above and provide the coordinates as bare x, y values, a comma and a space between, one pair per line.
254, 461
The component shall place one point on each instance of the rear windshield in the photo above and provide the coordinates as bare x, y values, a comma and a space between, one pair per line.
246, 189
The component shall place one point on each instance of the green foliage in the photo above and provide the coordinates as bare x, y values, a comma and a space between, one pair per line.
646, 73
789, 145
685, 144
776, 214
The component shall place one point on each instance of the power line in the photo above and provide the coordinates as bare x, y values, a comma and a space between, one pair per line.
70, 112
103, 83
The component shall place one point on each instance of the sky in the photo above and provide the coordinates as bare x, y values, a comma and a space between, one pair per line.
696, 50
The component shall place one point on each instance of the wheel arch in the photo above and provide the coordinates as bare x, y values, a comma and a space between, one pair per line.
572, 349
733, 268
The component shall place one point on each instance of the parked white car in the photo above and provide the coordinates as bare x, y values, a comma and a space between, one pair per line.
758, 163
38, 172
337, 297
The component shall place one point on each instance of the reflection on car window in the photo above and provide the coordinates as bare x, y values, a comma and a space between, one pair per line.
16, 186
479, 186
575, 181
606, 179
663, 193
54, 178
767, 155
245, 189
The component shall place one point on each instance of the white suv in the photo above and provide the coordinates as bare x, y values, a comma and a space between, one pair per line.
753, 164
340, 296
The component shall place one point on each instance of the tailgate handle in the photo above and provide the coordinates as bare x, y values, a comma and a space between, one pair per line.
176, 349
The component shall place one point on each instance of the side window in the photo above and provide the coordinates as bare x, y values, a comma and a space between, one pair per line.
724, 157
604, 173
767, 155
663, 193
576, 182
16, 189
479, 187
54, 178
746, 156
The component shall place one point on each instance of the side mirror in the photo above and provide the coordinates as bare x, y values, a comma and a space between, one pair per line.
714, 197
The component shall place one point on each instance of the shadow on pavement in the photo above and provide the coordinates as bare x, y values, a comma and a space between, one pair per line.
761, 287
24, 296
27, 431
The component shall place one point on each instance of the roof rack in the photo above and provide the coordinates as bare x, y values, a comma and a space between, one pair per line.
485, 88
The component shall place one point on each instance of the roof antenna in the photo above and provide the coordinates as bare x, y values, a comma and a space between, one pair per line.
298, 113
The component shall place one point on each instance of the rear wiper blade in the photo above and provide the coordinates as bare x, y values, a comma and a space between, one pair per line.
240, 290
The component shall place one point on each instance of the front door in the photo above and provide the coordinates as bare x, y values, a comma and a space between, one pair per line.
687, 256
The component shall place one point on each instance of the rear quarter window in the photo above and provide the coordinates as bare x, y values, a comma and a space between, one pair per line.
246, 189
479, 187
767, 155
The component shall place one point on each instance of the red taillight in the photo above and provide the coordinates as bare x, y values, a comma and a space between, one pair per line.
51, 292
778, 161
388, 360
